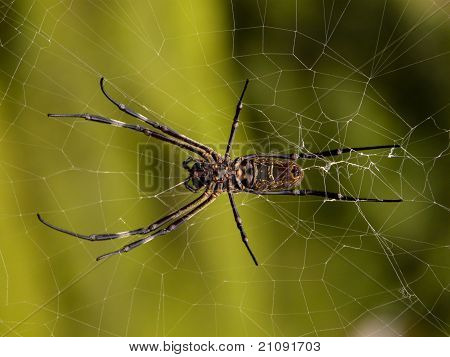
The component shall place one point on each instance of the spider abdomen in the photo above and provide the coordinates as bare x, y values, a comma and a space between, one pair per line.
268, 174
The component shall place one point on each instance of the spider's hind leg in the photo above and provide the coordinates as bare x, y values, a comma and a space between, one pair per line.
341, 151
327, 195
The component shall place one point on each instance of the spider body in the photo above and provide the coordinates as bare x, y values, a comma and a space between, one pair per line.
203, 173
261, 174
267, 174
244, 173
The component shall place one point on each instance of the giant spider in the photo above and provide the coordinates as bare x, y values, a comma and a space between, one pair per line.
260, 174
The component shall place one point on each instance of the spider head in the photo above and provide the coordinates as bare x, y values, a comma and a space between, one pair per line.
199, 175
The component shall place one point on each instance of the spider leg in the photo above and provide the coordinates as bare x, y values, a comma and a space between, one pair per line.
328, 195
334, 152
238, 220
94, 237
199, 200
139, 231
122, 107
170, 228
341, 151
148, 132
235, 121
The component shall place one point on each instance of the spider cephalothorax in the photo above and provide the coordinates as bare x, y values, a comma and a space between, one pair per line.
202, 173
261, 174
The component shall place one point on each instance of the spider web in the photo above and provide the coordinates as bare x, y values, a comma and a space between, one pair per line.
323, 75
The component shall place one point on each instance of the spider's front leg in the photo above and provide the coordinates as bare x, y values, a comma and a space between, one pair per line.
139, 231
138, 128
166, 130
170, 228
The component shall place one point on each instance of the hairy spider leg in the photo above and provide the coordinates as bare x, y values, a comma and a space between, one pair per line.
125, 249
235, 121
238, 220
122, 107
138, 231
328, 195
148, 132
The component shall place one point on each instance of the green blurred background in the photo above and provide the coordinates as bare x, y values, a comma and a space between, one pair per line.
322, 75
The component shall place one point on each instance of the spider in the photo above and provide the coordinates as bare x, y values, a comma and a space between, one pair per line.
214, 174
